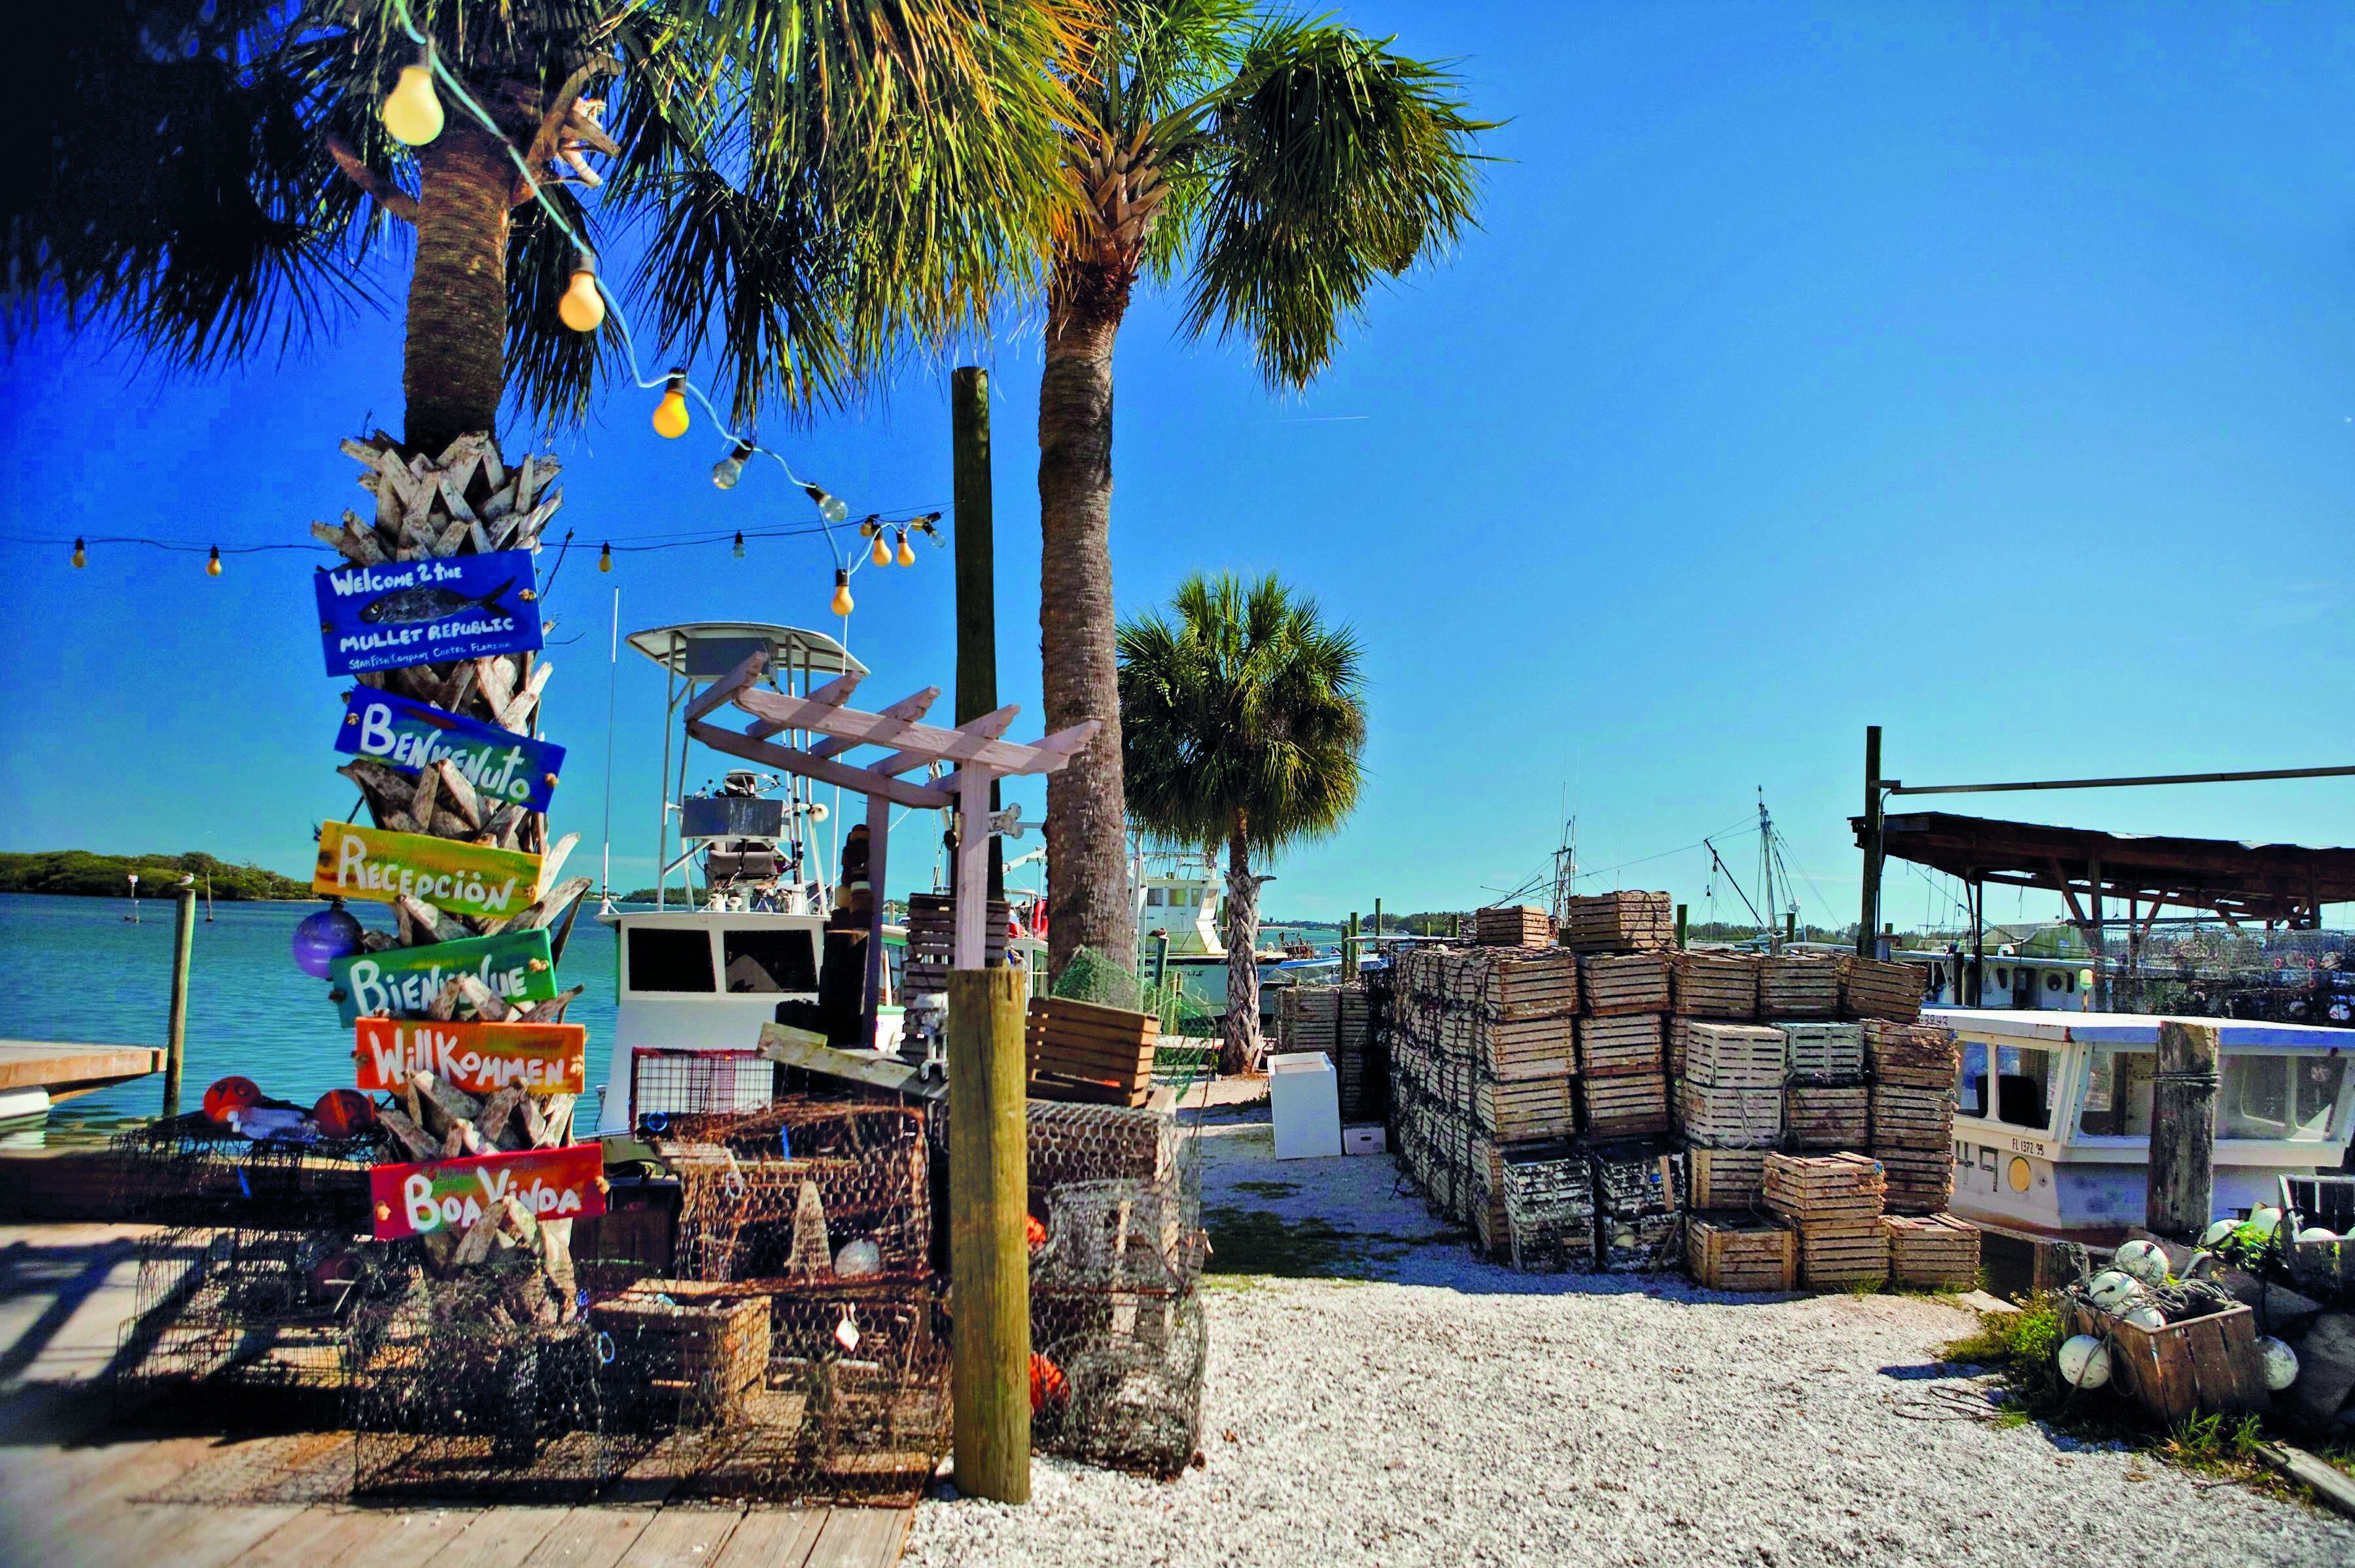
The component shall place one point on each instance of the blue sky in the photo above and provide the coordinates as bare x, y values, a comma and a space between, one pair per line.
1980, 373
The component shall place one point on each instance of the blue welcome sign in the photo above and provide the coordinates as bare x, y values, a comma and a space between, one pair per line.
412, 736
428, 611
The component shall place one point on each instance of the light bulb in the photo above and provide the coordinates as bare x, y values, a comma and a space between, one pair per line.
906, 555
605, 559
739, 546
670, 414
80, 556
843, 603
832, 509
881, 554
412, 110
730, 468
583, 308
212, 567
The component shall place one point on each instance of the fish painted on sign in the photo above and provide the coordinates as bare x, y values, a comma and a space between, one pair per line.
407, 606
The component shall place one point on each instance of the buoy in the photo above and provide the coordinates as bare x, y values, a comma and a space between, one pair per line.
2265, 1220
2142, 1315
2214, 1235
342, 1113
1047, 1385
2317, 1234
2146, 1261
2279, 1362
230, 1095
2084, 1361
2112, 1290
858, 1258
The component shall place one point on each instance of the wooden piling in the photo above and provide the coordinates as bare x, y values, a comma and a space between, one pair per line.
989, 1262
2182, 1187
176, 1027
1683, 925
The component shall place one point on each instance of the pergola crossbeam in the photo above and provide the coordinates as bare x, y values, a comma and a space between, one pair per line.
904, 712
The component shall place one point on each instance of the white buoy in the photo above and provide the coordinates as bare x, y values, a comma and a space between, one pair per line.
2317, 1234
2146, 1261
2142, 1315
2280, 1362
2202, 1265
2216, 1232
858, 1258
2112, 1290
2265, 1220
2084, 1361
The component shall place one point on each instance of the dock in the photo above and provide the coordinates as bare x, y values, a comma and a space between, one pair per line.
64, 1069
83, 1485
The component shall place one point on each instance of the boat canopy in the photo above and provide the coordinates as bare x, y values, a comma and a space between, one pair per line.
705, 650
2133, 1029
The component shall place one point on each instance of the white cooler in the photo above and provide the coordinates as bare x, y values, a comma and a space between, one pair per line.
1303, 1094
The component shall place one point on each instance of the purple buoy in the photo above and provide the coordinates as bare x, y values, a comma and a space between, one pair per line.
325, 936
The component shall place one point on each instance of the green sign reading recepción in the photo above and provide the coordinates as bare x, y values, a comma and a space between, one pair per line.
401, 982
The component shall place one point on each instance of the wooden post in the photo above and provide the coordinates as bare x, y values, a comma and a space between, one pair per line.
1978, 940
1683, 925
970, 945
2096, 939
977, 569
1160, 958
1790, 927
2182, 1185
176, 1027
1378, 930
989, 1255
1868, 913
878, 832
1349, 951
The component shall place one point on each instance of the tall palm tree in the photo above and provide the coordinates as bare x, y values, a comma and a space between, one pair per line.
1244, 724
808, 183
1281, 167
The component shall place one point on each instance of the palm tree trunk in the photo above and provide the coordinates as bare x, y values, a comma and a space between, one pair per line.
453, 361
1087, 848
1239, 1053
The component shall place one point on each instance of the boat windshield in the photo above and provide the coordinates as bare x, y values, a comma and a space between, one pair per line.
2118, 1093
2279, 1095
2021, 1085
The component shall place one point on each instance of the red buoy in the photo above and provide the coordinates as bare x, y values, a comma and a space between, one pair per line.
344, 1113
228, 1096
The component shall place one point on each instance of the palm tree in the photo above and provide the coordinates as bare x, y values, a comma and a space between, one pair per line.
1243, 726
1282, 166
809, 183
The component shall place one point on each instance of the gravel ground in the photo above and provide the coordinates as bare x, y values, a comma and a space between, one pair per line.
1406, 1404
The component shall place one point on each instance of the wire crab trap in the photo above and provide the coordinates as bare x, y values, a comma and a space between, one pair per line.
191, 1171
669, 1083
1549, 1208
465, 1386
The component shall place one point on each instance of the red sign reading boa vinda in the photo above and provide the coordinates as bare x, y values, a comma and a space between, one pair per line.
480, 1058
451, 1194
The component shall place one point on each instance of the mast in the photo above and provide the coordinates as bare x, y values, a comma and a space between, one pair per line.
1766, 871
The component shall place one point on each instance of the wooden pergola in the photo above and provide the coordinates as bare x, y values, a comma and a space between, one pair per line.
973, 752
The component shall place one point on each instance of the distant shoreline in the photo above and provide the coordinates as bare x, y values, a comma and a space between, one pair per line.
81, 873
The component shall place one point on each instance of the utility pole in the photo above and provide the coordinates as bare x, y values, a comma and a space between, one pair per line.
1868, 916
976, 573
1767, 870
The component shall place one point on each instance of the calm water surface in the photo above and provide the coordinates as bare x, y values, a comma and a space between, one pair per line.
75, 969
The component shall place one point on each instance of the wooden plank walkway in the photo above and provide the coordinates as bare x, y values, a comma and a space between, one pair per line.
67, 1068
71, 1478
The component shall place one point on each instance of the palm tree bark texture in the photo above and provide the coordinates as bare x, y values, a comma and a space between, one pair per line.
453, 364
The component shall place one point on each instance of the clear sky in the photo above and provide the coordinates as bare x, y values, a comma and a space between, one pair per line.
1981, 372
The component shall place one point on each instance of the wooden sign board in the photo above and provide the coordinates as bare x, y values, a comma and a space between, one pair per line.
480, 1058
396, 614
402, 982
500, 763
370, 863
451, 1194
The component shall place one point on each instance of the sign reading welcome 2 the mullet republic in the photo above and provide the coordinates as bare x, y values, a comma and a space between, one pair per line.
425, 612
451, 1194
411, 736
480, 1058
371, 863
403, 981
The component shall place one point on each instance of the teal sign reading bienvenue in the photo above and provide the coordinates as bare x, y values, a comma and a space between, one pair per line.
401, 982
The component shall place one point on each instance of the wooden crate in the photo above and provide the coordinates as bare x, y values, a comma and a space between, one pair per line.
1913, 1056
1521, 1109
1837, 1254
1725, 1178
1916, 1181
1734, 1056
1528, 1048
1933, 1252
1823, 1116
1620, 922
1512, 925
705, 1346
1879, 988
1917, 1120
1793, 987
931, 941
1831, 1052
1502, 984
2202, 1367
1609, 1048
1092, 1055
1741, 1252
1612, 984
1830, 1187
1714, 986
1636, 1104
1724, 1117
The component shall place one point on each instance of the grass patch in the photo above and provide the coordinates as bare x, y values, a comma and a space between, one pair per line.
1253, 1242
1267, 1189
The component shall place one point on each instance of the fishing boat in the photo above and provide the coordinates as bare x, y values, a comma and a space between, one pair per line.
1176, 898
2052, 1116
2022, 982
745, 861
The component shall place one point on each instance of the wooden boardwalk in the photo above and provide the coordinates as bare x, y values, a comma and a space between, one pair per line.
72, 1478
67, 1068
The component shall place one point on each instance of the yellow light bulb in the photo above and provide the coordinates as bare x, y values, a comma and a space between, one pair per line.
906, 555
412, 110
583, 308
605, 559
670, 414
212, 567
843, 603
881, 553
80, 556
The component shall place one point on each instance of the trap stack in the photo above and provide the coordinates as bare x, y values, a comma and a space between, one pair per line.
1913, 1111
1834, 1200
